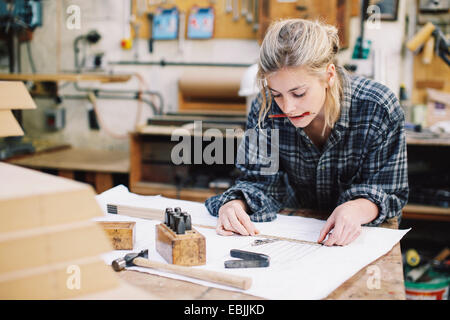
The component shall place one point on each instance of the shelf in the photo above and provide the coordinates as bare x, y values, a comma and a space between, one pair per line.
170, 191
423, 212
73, 77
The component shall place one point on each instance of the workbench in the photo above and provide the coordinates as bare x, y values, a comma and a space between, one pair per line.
390, 265
97, 166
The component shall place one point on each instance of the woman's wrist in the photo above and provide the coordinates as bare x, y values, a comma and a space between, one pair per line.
367, 210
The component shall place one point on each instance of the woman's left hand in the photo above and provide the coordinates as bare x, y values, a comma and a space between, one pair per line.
345, 221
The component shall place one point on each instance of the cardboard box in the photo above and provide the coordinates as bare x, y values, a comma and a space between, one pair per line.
438, 106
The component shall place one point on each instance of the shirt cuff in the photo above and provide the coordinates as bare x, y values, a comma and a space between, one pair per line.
371, 193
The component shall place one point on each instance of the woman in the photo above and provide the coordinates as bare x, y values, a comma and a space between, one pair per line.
341, 145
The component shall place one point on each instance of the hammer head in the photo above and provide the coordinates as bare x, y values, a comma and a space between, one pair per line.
127, 261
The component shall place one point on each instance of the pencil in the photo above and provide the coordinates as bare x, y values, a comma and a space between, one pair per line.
282, 115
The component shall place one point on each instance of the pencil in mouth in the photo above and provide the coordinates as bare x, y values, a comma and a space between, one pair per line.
283, 115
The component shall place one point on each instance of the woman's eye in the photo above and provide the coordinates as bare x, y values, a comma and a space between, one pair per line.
299, 95
276, 96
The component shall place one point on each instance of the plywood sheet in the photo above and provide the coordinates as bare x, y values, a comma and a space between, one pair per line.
79, 159
9, 127
58, 282
14, 95
49, 245
32, 199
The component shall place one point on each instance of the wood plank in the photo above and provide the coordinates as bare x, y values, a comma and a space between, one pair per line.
103, 181
428, 142
72, 77
14, 95
68, 174
78, 159
135, 158
424, 209
170, 191
355, 8
435, 73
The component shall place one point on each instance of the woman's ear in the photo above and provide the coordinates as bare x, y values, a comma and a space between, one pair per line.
331, 74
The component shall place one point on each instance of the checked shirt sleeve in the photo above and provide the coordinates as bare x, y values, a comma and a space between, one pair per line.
263, 189
384, 176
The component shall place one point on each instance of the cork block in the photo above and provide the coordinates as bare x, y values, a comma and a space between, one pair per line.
122, 234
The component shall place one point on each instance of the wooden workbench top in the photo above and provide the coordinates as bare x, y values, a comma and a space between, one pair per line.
74, 77
390, 266
78, 159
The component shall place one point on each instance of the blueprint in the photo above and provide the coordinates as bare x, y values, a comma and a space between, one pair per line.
296, 271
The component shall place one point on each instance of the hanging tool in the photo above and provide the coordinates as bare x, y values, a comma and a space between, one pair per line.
247, 259
228, 6
140, 259
235, 10
244, 7
181, 32
150, 17
250, 6
256, 15
441, 44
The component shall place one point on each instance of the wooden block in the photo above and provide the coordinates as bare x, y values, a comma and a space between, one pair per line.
38, 247
187, 249
33, 199
9, 125
122, 234
65, 280
14, 95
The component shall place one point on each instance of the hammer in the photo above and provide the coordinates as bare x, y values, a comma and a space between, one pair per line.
141, 260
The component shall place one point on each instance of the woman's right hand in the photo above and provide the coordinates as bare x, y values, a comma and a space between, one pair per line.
234, 219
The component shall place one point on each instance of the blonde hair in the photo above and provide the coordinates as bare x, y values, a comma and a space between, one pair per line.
293, 43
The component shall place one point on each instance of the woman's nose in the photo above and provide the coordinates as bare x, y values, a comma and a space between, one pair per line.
289, 106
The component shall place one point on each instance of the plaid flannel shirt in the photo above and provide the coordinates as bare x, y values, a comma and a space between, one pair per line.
364, 157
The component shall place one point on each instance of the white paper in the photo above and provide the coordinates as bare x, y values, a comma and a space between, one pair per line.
296, 271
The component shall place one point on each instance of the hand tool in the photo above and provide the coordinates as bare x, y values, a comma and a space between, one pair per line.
140, 259
412, 257
177, 242
415, 274
247, 259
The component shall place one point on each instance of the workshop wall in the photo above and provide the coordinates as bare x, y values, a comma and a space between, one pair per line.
52, 48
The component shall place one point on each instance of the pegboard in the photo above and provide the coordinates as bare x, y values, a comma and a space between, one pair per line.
224, 28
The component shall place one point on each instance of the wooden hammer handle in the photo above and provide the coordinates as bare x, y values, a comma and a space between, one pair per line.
212, 276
